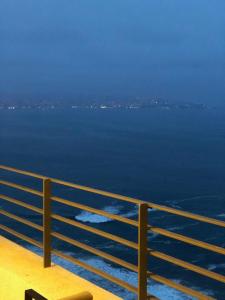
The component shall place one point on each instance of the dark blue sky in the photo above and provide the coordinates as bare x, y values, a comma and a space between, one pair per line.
169, 48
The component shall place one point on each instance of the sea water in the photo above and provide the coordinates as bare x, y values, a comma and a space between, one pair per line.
170, 157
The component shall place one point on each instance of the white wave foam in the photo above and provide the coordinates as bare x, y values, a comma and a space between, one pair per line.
221, 216
182, 227
91, 218
129, 214
216, 266
158, 290
200, 197
86, 216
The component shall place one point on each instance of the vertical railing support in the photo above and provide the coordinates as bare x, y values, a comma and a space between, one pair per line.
47, 222
142, 251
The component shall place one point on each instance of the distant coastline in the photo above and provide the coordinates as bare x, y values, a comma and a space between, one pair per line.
137, 103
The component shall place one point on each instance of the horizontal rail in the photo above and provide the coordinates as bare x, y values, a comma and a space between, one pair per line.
95, 211
179, 287
96, 231
187, 214
31, 174
21, 220
96, 271
80, 296
188, 240
133, 245
121, 197
95, 251
21, 187
20, 203
20, 236
96, 191
73, 185
186, 265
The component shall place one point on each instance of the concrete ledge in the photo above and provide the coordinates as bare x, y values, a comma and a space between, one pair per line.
21, 269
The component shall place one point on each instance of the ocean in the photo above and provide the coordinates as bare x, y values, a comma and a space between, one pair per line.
170, 157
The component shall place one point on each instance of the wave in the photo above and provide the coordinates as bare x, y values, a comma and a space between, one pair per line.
156, 289
213, 267
182, 227
199, 197
221, 216
88, 217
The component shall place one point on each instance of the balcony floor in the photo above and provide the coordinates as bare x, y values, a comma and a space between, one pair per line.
21, 269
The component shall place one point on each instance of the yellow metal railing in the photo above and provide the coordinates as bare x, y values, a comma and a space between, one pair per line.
141, 246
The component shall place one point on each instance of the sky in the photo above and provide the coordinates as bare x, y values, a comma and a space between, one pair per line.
174, 49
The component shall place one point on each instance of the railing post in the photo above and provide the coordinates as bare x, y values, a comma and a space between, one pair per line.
142, 251
47, 222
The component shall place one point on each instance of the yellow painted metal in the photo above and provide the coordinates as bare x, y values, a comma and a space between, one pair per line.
186, 265
21, 220
80, 296
96, 191
96, 231
120, 197
20, 236
20, 203
47, 222
137, 201
95, 251
142, 251
141, 224
21, 187
31, 174
186, 214
179, 287
95, 211
188, 240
